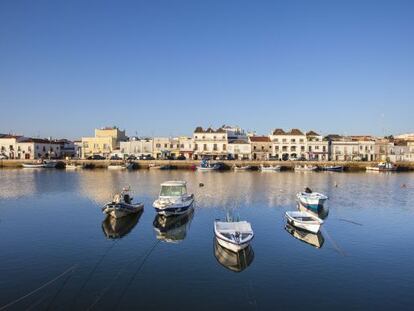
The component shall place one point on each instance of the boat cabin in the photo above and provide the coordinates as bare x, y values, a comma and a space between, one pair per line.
173, 189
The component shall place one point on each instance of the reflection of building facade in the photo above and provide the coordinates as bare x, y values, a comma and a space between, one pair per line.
210, 143
106, 140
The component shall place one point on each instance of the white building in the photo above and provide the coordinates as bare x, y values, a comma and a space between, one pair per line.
186, 146
37, 148
352, 148
317, 149
288, 145
210, 143
166, 147
409, 156
8, 145
240, 149
137, 147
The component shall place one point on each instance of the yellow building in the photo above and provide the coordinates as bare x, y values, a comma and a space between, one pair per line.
105, 141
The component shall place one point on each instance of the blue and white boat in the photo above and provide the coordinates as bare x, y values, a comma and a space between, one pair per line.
207, 166
313, 201
122, 205
173, 199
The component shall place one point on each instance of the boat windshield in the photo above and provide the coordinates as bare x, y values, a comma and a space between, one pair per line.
173, 191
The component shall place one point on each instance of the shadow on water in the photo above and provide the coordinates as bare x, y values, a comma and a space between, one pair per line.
172, 229
235, 262
116, 228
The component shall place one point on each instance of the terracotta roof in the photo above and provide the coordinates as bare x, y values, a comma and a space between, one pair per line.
312, 133
295, 132
199, 129
264, 139
238, 141
279, 132
10, 136
39, 141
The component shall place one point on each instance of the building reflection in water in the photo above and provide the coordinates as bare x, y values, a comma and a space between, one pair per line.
116, 228
173, 229
310, 238
236, 262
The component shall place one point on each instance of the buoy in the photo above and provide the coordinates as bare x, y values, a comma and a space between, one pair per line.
201, 184
403, 186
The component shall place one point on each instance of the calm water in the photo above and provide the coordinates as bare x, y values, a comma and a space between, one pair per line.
52, 229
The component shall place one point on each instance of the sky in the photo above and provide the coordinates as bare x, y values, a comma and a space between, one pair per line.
164, 67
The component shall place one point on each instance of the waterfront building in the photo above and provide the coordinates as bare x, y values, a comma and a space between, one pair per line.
106, 140
186, 147
235, 133
351, 148
37, 148
137, 147
240, 149
8, 145
67, 148
261, 148
409, 156
289, 145
210, 143
166, 147
317, 149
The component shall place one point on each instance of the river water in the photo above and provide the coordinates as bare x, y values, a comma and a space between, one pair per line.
58, 252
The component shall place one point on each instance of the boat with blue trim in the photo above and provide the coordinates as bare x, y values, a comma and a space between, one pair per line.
173, 199
313, 201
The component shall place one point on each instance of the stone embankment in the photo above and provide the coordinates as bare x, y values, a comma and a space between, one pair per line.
191, 164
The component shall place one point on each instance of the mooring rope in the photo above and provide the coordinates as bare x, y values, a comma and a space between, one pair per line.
38, 289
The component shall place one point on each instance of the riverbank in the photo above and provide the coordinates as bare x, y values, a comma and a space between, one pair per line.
191, 164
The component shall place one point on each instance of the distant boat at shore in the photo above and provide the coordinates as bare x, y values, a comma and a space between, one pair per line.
382, 167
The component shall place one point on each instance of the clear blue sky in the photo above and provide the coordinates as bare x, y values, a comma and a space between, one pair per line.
164, 67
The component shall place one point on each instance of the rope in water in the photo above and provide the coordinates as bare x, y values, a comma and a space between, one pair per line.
38, 289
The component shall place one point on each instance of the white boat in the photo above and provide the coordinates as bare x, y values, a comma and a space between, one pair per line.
304, 220
233, 235
33, 165
121, 205
270, 168
382, 167
333, 168
173, 199
206, 166
73, 166
305, 168
153, 166
313, 201
314, 239
117, 166
242, 168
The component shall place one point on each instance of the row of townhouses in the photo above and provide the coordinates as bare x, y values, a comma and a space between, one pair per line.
223, 143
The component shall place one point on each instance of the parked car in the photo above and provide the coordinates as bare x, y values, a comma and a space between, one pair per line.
230, 157
3, 157
132, 158
181, 157
96, 157
115, 157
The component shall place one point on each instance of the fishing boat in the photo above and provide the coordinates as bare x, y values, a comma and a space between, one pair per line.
304, 220
73, 166
314, 239
242, 168
305, 168
270, 168
311, 200
172, 229
333, 168
117, 166
173, 198
205, 166
233, 235
153, 166
116, 228
121, 205
41, 164
233, 261
382, 167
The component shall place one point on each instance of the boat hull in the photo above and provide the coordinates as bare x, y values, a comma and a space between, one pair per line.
25, 165
173, 209
119, 210
231, 246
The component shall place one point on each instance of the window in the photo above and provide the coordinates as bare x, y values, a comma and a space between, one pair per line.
158, 145
293, 140
224, 146
215, 147
317, 147
284, 140
195, 147
310, 148
165, 145
301, 140
44, 149
205, 147
171, 146
277, 148
182, 146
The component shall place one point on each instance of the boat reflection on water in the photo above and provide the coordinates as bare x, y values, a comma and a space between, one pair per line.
322, 213
172, 229
310, 238
116, 228
236, 262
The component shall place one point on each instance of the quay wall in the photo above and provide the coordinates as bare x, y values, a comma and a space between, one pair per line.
190, 164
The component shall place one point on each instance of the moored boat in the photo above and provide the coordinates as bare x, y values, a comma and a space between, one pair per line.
304, 220
242, 168
382, 167
72, 166
333, 168
270, 168
121, 205
233, 235
117, 166
205, 165
305, 168
41, 164
173, 199
311, 200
